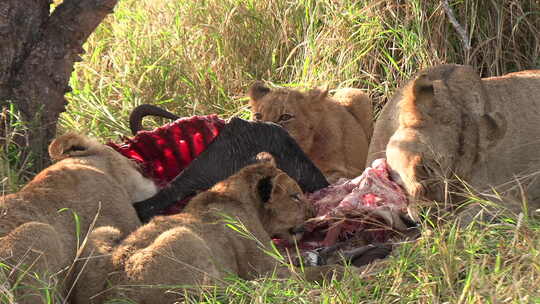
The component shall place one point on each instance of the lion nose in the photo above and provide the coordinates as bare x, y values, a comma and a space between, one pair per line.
297, 229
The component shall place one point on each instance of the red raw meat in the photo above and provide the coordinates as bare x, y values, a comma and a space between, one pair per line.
165, 151
362, 203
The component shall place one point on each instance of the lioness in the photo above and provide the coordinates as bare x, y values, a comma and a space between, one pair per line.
39, 224
333, 132
197, 247
448, 123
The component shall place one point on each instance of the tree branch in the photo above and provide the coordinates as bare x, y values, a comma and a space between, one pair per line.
461, 31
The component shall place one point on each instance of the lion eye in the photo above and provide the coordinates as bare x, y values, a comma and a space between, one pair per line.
285, 117
257, 116
296, 197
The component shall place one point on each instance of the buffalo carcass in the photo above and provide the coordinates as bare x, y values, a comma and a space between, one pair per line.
236, 146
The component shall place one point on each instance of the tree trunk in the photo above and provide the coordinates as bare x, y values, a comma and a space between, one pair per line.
37, 53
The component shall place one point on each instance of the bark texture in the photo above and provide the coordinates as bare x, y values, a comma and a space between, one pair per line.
37, 52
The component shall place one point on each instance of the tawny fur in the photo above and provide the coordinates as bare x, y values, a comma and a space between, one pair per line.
195, 248
37, 224
333, 131
447, 126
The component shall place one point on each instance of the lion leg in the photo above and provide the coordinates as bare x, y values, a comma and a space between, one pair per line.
324, 273
95, 266
34, 248
141, 238
178, 261
263, 265
318, 274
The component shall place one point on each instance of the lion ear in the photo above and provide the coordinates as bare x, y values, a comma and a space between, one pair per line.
266, 157
422, 85
270, 187
279, 184
492, 129
266, 184
70, 144
417, 99
318, 94
258, 90
264, 188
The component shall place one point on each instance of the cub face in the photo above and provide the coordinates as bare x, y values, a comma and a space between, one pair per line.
284, 209
287, 209
296, 112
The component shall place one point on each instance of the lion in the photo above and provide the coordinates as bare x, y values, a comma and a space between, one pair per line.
333, 132
42, 227
448, 133
198, 247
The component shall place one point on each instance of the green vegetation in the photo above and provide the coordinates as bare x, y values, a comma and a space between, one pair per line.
199, 57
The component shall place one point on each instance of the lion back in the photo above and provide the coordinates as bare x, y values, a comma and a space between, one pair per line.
358, 105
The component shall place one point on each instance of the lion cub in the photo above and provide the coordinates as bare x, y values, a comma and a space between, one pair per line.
333, 132
38, 225
198, 247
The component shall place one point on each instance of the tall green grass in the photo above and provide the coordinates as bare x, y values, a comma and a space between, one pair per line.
199, 57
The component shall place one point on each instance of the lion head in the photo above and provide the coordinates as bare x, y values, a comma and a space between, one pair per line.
278, 199
444, 127
297, 112
82, 150
333, 131
287, 209
427, 139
